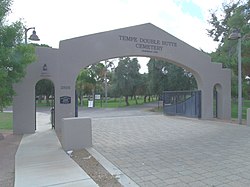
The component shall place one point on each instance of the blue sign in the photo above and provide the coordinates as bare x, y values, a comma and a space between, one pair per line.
65, 100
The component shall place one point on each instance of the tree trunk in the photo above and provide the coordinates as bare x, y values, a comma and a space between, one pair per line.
80, 99
145, 99
126, 100
106, 87
93, 96
47, 100
120, 101
136, 102
1, 108
39, 99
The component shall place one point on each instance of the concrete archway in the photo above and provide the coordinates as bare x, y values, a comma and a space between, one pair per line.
63, 65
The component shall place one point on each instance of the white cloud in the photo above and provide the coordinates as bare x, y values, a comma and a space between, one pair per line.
57, 20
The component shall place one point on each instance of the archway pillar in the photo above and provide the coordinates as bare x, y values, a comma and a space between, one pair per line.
64, 102
206, 85
206, 103
24, 109
224, 103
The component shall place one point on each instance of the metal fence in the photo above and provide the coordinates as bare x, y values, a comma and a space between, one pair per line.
183, 103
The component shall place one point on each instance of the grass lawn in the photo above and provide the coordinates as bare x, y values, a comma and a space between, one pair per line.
234, 109
111, 102
115, 102
5, 120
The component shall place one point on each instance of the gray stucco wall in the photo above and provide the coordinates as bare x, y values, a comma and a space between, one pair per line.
65, 63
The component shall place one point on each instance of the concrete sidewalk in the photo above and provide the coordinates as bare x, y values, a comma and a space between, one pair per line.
41, 161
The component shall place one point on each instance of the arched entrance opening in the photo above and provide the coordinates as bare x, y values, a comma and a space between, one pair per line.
121, 81
217, 103
45, 102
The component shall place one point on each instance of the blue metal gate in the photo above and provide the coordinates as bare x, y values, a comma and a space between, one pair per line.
183, 103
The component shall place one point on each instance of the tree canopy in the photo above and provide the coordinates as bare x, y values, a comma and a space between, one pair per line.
233, 16
126, 77
45, 87
125, 80
165, 76
14, 55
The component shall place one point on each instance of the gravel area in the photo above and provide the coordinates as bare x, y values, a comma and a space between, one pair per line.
94, 169
8, 147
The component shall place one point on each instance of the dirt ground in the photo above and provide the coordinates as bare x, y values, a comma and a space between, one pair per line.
94, 169
9, 143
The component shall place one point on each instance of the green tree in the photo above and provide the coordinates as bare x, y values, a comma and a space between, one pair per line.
14, 56
80, 85
85, 83
126, 77
156, 76
95, 78
143, 85
45, 87
178, 78
165, 76
107, 77
234, 16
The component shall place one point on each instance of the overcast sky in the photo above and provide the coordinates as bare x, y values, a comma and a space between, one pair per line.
57, 20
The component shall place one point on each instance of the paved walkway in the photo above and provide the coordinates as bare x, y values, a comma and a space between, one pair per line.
40, 161
152, 150
171, 151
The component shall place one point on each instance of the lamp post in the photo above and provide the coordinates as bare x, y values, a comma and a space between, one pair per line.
236, 35
33, 37
106, 86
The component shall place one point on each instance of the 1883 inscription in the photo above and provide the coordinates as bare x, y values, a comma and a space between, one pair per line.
148, 45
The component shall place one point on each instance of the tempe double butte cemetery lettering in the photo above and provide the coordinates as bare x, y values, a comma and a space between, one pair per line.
147, 44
